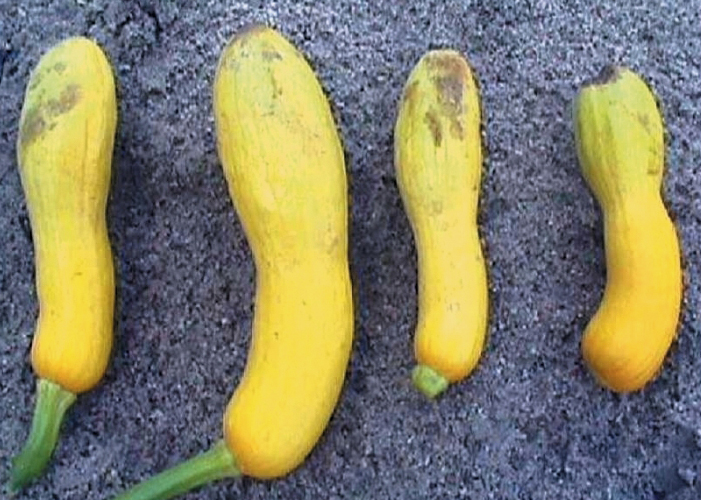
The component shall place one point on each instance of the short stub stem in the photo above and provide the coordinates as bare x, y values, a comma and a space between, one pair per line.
429, 381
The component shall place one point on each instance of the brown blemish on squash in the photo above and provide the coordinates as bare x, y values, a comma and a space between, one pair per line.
34, 81
655, 164
248, 30
451, 75
36, 118
241, 39
32, 127
644, 121
269, 54
409, 95
244, 34
37, 76
450, 90
434, 126
451, 97
66, 101
608, 74
276, 87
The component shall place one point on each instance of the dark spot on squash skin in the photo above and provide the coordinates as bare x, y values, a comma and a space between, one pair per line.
435, 207
270, 55
608, 74
451, 75
32, 126
40, 117
410, 91
35, 81
247, 30
409, 95
37, 77
655, 165
434, 126
450, 90
644, 121
242, 38
66, 101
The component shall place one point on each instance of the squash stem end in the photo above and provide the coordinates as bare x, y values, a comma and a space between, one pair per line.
216, 463
429, 381
51, 405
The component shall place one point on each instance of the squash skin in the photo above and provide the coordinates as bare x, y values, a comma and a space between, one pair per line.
438, 162
65, 143
620, 144
285, 170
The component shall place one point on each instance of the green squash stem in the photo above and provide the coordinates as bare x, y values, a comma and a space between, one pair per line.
51, 405
429, 381
216, 463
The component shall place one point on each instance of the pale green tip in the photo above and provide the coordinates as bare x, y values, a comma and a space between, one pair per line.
216, 463
429, 381
51, 405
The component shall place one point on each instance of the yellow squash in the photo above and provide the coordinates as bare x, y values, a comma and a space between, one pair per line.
64, 151
438, 160
620, 144
284, 165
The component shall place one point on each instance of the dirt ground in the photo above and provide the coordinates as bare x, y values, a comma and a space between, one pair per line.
531, 423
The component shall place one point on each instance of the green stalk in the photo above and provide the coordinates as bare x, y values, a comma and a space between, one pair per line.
429, 381
216, 463
51, 405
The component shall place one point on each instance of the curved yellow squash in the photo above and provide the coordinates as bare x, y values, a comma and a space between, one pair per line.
620, 144
284, 165
438, 160
64, 150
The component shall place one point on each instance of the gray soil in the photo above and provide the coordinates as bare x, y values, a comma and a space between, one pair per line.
531, 422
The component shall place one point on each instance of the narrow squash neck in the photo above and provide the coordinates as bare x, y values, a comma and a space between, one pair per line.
294, 264
633, 207
445, 258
